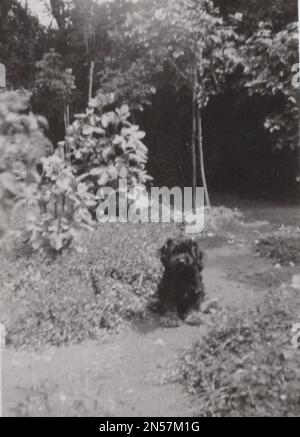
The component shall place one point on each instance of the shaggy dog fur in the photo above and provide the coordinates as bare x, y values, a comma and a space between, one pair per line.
181, 289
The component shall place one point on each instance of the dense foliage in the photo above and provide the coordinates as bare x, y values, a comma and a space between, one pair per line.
62, 204
270, 58
148, 53
53, 88
105, 147
23, 41
22, 144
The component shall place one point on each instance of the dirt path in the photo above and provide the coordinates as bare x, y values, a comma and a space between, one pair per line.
128, 375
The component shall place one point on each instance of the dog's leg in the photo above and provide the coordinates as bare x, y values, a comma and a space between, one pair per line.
170, 317
195, 316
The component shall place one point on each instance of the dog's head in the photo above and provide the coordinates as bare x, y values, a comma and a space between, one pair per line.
181, 255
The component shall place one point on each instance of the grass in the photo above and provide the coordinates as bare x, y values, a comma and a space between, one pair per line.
245, 365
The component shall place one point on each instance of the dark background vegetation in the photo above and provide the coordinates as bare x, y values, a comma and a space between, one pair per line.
241, 156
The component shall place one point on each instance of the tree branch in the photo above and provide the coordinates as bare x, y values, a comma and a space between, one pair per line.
182, 74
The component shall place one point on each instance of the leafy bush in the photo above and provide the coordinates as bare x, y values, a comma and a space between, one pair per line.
244, 365
22, 144
63, 202
283, 249
221, 219
53, 89
106, 147
53, 83
269, 60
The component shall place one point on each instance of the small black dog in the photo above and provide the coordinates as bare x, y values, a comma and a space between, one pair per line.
181, 289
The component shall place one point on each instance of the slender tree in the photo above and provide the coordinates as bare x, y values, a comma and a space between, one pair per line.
191, 38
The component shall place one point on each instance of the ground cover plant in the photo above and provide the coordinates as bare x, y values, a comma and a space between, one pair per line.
282, 247
83, 293
245, 364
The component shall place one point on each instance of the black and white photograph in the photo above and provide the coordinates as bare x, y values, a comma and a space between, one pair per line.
149, 211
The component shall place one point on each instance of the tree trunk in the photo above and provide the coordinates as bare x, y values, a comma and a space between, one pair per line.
193, 151
58, 12
298, 142
67, 155
298, 96
91, 80
199, 129
201, 157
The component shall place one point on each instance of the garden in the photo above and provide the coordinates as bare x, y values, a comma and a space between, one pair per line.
157, 94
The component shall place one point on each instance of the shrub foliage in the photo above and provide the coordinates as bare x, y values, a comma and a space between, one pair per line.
22, 144
63, 202
106, 147
245, 365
